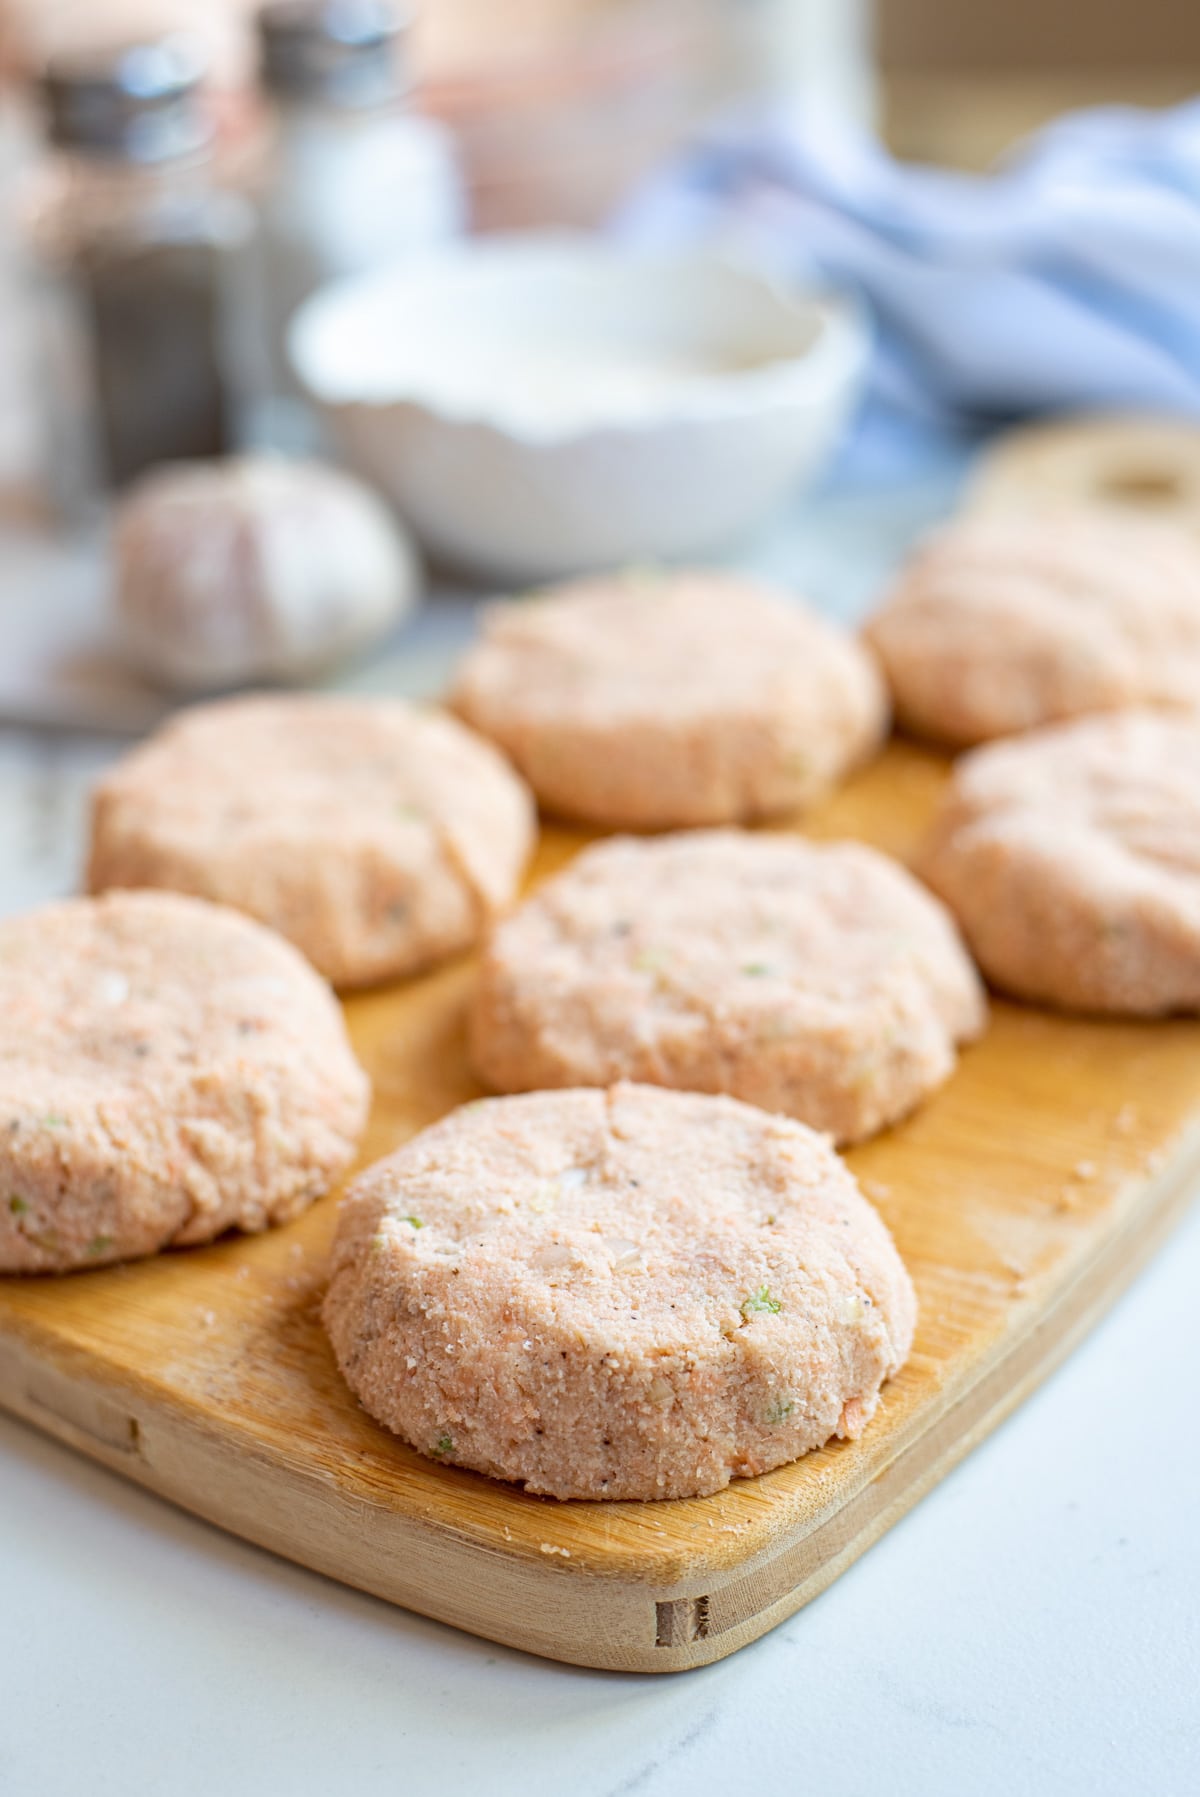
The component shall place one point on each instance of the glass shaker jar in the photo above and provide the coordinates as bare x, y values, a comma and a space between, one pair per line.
141, 256
356, 176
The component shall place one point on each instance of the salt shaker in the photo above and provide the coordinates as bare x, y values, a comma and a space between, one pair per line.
140, 254
355, 175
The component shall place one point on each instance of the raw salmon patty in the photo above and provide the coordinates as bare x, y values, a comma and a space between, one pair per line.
1000, 624
377, 836
168, 1070
652, 700
816, 979
1072, 860
622, 1294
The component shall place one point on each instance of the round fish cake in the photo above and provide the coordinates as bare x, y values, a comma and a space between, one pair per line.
168, 1070
815, 979
379, 837
1000, 624
621, 1294
1072, 860
650, 700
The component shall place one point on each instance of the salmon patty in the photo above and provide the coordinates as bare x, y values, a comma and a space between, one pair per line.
817, 979
377, 836
1001, 624
168, 1070
1071, 859
622, 1294
655, 700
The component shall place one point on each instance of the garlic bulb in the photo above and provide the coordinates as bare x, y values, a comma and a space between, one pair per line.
255, 568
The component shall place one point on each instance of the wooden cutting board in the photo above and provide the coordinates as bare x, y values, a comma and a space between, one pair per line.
1023, 1197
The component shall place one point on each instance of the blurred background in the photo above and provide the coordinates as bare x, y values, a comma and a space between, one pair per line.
975, 216
604, 84
959, 84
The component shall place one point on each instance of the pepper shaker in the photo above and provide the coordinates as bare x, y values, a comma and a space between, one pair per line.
139, 257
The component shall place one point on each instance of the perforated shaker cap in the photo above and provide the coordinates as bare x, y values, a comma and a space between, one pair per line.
347, 52
138, 101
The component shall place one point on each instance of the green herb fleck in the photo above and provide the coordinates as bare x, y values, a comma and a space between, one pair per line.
778, 1409
757, 970
415, 1221
54, 1121
649, 960
17, 1206
99, 1244
441, 1446
404, 809
761, 1303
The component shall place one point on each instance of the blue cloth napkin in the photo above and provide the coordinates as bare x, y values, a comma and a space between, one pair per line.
1069, 279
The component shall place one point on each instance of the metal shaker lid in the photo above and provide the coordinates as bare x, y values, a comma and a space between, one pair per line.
347, 52
139, 101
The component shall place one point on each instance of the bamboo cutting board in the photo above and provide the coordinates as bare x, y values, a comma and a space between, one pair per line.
1023, 1197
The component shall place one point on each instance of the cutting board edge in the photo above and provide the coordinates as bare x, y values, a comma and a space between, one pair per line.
606, 1619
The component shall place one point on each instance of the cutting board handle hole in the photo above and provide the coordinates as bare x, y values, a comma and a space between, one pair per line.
681, 1621
83, 1411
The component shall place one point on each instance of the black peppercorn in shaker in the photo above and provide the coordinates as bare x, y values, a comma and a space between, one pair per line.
140, 251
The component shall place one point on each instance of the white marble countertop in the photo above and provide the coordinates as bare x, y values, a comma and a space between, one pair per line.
1032, 1627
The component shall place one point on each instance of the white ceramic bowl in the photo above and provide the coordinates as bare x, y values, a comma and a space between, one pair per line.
537, 407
